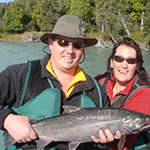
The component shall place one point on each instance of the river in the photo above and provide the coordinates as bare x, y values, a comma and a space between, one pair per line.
95, 58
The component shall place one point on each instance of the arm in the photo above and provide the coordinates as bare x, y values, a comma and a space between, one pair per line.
7, 94
11, 84
140, 101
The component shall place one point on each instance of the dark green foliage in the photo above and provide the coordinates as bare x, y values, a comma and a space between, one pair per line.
1, 28
13, 18
114, 18
31, 26
50, 12
147, 19
85, 9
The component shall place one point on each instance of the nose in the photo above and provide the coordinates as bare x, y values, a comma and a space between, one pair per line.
124, 64
69, 48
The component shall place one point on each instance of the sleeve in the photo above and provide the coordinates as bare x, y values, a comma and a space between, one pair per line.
140, 101
11, 82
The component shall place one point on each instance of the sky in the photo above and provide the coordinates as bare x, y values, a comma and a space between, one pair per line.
6, 1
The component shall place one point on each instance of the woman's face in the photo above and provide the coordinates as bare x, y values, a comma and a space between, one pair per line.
124, 64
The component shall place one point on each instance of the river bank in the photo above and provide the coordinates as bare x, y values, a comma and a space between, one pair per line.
34, 37
22, 37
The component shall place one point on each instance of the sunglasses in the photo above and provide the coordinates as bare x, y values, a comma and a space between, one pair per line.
120, 59
65, 43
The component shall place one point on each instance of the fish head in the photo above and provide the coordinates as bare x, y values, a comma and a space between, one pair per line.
147, 125
134, 125
138, 124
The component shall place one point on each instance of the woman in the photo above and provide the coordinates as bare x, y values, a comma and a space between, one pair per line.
126, 80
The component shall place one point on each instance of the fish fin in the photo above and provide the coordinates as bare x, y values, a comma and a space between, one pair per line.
9, 140
41, 143
121, 142
73, 145
70, 109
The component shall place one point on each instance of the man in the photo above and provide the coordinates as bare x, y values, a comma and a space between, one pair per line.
39, 89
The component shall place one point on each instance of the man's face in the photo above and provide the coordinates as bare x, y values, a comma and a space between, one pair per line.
66, 52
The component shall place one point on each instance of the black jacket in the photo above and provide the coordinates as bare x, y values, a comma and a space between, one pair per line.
12, 81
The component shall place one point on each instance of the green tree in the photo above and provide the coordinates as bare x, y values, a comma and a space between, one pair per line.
26, 4
137, 12
28, 21
13, 18
85, 9
67, 4
50, 12
36, 14
2, 12
147, 22
136, 9
2, 9
110, 18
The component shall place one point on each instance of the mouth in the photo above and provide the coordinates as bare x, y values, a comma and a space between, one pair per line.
68, 59
123, 71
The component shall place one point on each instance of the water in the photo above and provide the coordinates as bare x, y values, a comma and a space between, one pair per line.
95, 60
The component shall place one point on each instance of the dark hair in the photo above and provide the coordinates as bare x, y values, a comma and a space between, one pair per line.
131, 43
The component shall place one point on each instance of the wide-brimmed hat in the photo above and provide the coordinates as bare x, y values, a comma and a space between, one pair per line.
69, 26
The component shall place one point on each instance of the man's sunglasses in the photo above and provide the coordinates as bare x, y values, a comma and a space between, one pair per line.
65, 43
120, 59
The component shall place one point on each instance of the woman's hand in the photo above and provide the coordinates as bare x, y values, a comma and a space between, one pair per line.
106, 136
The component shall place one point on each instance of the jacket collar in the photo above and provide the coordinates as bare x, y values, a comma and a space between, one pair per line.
81, 86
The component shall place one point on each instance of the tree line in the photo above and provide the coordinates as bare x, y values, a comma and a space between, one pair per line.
110, 19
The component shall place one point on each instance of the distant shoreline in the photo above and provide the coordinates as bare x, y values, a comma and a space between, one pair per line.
34, 37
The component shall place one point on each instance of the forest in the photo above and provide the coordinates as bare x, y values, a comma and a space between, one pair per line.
105, 19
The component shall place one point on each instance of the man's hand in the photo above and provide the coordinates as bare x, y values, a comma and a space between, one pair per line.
19, 128
106, 136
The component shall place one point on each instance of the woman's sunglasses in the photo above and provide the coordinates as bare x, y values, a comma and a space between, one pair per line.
65, 43
120, 59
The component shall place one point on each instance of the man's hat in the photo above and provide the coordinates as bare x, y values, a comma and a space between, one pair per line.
69, 26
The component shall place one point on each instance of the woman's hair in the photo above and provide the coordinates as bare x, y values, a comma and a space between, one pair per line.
140, 70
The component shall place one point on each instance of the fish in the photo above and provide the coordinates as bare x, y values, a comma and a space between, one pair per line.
76, 125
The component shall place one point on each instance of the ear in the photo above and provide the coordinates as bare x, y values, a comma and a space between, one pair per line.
111, 63
49, 41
